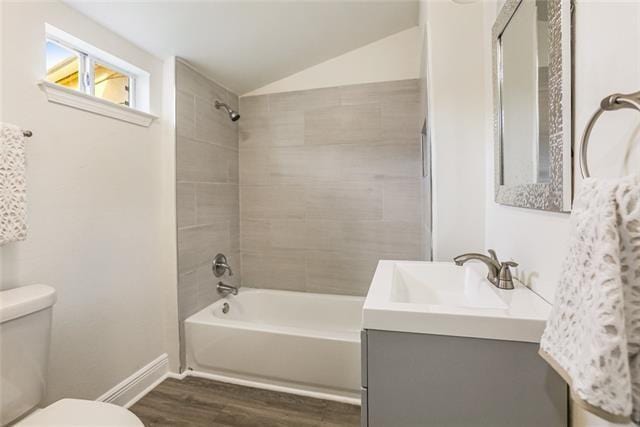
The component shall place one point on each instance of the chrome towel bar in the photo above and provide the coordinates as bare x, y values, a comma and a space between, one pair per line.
617, 101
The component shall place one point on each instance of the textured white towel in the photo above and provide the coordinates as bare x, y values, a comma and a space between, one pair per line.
593, 335
13, 191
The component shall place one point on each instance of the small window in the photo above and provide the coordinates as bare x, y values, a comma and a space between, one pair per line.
63, 65
80, 68
87, 78
111, 85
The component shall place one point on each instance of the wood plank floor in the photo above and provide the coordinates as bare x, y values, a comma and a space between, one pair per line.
201, 402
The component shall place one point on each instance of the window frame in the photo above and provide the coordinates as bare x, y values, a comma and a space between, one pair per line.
86, 70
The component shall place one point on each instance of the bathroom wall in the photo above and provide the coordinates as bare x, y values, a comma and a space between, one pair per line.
100, 211
604, 62
542, 236
207, 189
395, 57
452, 60
329, 184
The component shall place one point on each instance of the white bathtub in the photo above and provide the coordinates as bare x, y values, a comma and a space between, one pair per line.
292, 341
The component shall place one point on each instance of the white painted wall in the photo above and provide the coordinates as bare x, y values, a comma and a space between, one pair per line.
100, 212
605, 62
396, 57
453, 65
535, 239
541, 237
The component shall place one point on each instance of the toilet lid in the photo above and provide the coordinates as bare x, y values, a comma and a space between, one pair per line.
86, 413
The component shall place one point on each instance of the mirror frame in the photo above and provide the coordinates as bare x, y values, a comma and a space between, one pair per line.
556, 194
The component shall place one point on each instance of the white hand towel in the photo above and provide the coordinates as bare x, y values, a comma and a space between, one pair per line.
13, 191
592, 337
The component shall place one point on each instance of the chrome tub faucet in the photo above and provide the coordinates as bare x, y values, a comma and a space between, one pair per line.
499, 272
224, 289
219, 267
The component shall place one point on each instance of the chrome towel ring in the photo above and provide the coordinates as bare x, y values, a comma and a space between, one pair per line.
617, 101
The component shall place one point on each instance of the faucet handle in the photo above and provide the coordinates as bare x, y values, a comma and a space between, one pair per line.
505, 279
493, 255
220, 265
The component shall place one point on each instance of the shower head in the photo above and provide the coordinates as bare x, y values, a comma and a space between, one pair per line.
233, 115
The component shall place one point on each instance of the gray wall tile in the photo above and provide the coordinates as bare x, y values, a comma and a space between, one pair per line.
278, 269
287, 234
339, 272
286, 128
346, 201
254, 235
254, 166
403, 201
387, 239
304, 100
198, 245
319, 209
214, 126
255, 130
216, 201
186, 204
345, 124
190, 81
269, 202
185, 114
207, 171
382, 161
203, 162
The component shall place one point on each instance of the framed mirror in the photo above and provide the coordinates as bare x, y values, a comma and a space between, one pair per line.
532, 104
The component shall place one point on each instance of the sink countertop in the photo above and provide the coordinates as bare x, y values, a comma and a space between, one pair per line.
444, 299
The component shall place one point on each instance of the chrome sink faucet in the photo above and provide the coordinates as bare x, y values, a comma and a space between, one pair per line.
499, 272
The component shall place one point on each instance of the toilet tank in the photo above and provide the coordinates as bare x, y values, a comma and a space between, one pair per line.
25, 331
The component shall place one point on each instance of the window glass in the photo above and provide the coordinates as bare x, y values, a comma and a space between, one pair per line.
62, 65
110, 84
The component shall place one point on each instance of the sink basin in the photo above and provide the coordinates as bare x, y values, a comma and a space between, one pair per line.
442, 284
444, 299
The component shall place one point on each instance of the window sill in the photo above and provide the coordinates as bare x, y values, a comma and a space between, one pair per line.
72, 98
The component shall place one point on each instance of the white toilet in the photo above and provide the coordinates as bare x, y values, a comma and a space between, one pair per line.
25, 329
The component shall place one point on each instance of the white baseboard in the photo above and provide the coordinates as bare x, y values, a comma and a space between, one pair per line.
138, 384
141, 382
177, 376
350, 398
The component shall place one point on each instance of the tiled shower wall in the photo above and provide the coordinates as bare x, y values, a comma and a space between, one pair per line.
330, 182
207, 190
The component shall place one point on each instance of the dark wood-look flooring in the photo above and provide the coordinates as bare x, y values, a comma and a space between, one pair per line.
201, 402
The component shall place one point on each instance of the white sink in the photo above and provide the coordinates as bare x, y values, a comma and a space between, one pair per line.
444, 299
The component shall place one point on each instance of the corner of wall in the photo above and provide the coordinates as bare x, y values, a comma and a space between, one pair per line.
170, 221
454, 92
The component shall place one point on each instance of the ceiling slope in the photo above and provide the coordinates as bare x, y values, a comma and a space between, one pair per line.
245, 45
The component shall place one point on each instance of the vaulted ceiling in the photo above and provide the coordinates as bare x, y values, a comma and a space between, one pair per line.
247, 44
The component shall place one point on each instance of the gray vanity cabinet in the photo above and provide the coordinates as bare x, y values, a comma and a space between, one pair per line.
431, 380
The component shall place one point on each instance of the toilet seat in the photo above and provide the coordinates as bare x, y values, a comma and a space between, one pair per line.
85, 413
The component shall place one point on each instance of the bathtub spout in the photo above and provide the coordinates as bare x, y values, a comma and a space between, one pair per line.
224, 289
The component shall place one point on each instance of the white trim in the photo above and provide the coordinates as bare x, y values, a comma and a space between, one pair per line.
76, 44
273, 387
76, 99
177, 376
141, 382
